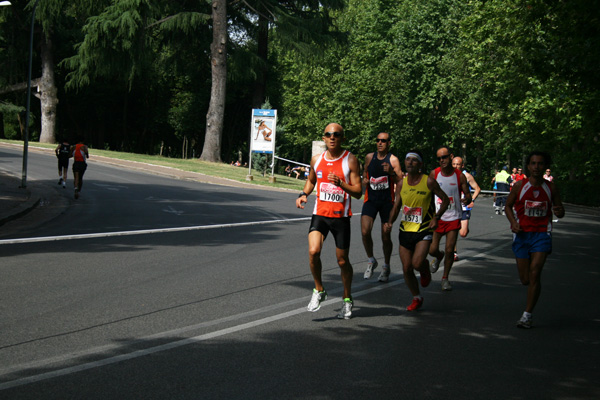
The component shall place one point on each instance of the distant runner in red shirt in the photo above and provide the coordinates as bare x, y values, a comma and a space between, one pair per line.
80, 154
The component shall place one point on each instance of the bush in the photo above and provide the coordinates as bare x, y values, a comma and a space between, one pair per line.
261, 162
581, 193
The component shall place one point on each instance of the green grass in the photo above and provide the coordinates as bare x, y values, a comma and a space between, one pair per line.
220, 170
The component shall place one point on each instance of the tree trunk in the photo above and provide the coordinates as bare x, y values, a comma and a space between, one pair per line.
260, 86
48, 93
216, 109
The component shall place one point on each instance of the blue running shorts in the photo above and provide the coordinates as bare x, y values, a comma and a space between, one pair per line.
525, 243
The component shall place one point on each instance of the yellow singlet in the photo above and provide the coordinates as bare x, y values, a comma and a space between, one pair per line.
416, 206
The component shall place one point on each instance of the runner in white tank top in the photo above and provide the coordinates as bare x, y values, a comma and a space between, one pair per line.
452, 183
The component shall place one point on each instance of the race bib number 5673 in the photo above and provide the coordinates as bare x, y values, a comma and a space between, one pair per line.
332, 193
412, 214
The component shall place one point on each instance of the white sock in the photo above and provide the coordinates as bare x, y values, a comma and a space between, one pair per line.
527, 314
372, 260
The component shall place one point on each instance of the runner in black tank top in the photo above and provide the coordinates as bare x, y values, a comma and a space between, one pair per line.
382, 172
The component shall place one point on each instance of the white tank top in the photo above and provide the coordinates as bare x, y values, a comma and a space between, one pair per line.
451, 186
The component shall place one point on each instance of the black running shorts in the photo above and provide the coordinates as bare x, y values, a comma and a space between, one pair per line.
409, 240
371, 208
339, 228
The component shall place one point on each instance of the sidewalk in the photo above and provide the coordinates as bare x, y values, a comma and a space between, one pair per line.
16, 202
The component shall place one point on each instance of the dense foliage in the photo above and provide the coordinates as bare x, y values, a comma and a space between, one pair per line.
491, 79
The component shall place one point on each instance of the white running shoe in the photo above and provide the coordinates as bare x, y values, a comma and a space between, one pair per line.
384, 276
434, 266
346, 310
370, 268
446, 285
315, 300
524, 322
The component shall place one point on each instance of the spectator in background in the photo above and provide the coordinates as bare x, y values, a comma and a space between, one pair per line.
503, 181
520, 175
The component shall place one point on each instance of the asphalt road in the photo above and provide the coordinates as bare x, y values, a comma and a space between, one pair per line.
210, 303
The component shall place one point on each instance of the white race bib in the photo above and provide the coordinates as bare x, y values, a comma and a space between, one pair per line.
536, 208
331, 193
438, 204
412, 214
380, 183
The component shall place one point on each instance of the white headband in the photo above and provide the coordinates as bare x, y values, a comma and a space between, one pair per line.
415, 155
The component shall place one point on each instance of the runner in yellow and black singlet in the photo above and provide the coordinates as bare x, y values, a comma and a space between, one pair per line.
414, 200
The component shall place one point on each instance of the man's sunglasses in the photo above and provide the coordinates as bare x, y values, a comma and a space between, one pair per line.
443, 157
335, 134
382, 140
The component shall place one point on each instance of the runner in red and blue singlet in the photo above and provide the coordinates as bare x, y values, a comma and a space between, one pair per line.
535, 200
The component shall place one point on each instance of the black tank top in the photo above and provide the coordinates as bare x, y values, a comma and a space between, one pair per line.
64, 152
381, 185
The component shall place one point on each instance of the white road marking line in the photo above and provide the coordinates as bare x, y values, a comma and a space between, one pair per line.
175, 344
147, 231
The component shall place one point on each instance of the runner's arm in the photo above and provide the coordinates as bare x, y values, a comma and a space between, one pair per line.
354, 187
557, 206
465, 189
397, 170
309, 185
395, 209
508, 208
434, 186
365, 180
476, 189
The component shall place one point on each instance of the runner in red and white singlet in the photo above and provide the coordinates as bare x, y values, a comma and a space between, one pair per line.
534, 200
533, 207
334, 174
332, 201
453, 183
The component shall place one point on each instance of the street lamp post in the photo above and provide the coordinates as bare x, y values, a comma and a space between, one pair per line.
26, 139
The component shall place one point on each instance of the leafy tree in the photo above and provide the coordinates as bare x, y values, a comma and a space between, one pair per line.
521, 78
385, 77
